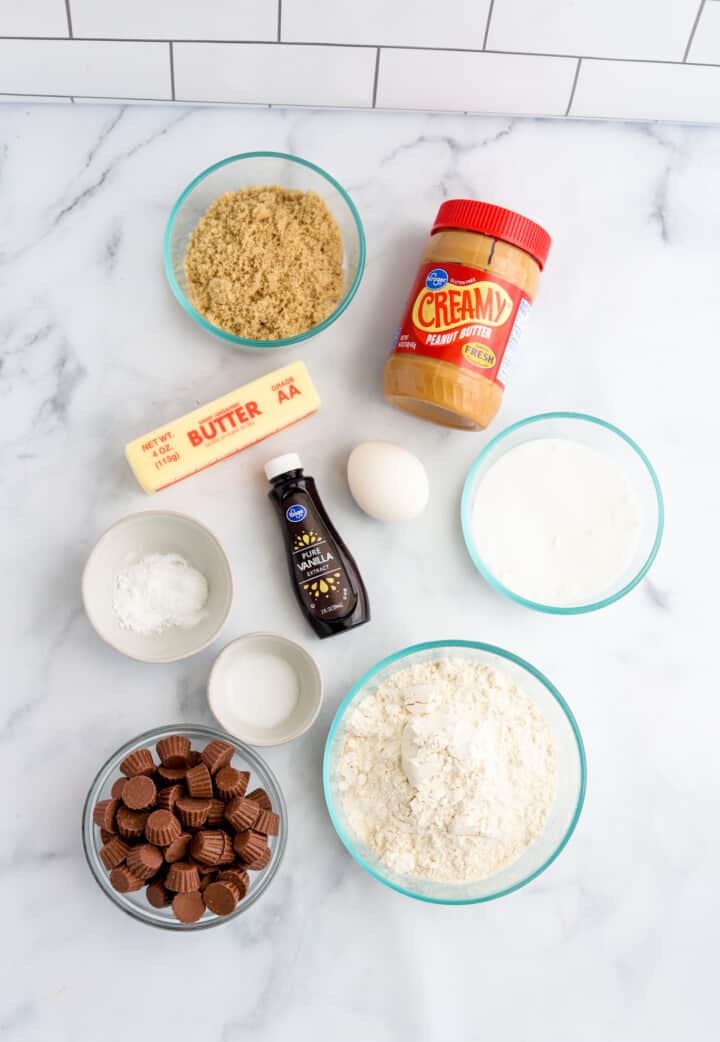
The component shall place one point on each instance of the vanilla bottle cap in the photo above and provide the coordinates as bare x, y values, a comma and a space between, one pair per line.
282, 464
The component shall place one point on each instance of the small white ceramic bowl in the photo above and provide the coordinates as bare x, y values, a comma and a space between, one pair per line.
263, 654
148, 532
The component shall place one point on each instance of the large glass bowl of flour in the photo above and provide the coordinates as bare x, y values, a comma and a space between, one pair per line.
548, 705
562, 512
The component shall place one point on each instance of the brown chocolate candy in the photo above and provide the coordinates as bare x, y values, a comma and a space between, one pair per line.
230, 783
188, 906
228, 853
105, 814
193, 758
199, 782
139, 792
144, 860
249, 846
182, 877
173, 750
261, 797
131, 823
260, 862
139, 762
236, 875
221, 897
171, 774
125, 881
158, 896
168, 797
268, 823
193, 813
217, 754
114, 852
177, 850
117, 788
207, 846
242, 813
105, 836
216, 814
162, 828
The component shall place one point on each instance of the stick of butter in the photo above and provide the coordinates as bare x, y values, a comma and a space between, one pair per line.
226, 426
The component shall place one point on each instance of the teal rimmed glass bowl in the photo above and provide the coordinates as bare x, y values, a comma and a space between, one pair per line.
247, 170
571, 775
606, 438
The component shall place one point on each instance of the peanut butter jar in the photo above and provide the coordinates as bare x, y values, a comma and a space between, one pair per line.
464, 318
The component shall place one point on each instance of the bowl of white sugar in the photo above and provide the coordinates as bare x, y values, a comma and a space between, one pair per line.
562, 513
157, 586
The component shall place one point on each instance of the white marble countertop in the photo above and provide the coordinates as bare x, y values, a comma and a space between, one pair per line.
616, 942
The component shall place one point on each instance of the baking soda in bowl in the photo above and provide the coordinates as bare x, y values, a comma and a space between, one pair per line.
556, 522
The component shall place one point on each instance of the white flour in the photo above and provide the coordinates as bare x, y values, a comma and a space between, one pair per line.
447, 771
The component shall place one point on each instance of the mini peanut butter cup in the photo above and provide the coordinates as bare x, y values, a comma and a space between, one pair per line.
240, 878
230, 783
242, 813
207, 846
261, 797
260, 862
216, 814
193, 813
177, 850
139, 792
105, 814
131, 823
217, 754
117, 788
144, 860
105, 836
221, 897
168, 797
138, 762
157, 895
162, 828
182, 877
188, 907
249, 846
171, 774
114, 852
199, 782
268, 823
193, 758
228, 852
125, 881
173, 750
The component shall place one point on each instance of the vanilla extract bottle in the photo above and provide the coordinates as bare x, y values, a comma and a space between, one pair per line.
323, 573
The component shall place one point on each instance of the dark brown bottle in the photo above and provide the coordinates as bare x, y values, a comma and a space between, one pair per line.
325, 578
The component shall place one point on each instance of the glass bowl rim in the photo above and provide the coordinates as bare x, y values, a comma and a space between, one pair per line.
466, 507
88, 835
478, 646
223, 333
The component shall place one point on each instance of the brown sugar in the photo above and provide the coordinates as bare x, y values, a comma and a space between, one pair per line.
265, 263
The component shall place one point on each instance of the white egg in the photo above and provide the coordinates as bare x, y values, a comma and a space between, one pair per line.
387, 481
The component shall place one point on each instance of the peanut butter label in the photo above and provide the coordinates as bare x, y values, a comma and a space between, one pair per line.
467, 317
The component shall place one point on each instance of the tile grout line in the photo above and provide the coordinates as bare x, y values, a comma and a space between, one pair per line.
574, 87
694, 30
279, 29
375, 78
172, 70
487, 24
68, 15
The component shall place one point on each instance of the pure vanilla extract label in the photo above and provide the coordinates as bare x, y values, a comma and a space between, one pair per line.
323, 582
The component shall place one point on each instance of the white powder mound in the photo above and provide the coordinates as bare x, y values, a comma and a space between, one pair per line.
448, 771
155, 592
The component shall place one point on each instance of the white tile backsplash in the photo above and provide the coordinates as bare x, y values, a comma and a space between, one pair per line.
176, 19
632, 59
107, 70
654, 29
647, 90
33, 18
452, 80
274, 74
402, 23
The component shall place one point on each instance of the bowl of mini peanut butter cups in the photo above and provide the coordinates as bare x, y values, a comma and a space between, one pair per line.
184, 828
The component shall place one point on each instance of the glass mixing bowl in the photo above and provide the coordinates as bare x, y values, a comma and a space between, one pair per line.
248, 170
606, 438
136, 904
571, 775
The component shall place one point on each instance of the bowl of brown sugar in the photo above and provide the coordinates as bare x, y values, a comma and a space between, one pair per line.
264, 249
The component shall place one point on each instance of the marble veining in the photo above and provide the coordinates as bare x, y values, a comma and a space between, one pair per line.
616, 942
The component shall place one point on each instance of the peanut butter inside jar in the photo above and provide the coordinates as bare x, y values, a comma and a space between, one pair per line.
477, 279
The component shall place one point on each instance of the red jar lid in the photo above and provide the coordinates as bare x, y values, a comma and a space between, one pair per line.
470, 215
